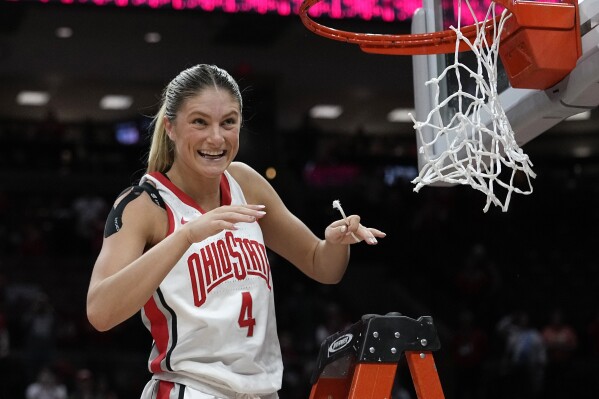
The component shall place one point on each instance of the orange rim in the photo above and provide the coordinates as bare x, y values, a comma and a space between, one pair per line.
420, 43
412, 44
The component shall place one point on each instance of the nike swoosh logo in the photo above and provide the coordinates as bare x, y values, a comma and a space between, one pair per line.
183, 221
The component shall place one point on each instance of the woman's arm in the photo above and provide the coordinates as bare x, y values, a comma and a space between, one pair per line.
324, 260
125, 277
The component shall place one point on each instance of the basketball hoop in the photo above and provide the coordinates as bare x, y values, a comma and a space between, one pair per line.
540, 45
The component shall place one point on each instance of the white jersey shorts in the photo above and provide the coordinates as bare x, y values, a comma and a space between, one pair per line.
159, 389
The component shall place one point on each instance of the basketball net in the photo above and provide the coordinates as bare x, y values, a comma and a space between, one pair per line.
481, 149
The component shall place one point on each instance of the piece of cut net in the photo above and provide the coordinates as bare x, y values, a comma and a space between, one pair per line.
481, 150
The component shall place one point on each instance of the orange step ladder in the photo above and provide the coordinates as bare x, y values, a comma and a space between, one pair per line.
361, 361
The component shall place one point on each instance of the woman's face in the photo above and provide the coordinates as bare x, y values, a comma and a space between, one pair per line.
205, 132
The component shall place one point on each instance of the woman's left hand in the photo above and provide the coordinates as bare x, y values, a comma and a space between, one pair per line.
350, 231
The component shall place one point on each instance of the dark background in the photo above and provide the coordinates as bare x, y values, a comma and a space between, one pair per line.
61, 168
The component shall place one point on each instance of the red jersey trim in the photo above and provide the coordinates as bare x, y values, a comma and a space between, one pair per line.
225, 191
164, 389
171, 220
159, 330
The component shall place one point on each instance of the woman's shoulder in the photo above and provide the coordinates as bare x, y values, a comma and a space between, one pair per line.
242, 172
137, 191
142, 205
140, 198
251, 182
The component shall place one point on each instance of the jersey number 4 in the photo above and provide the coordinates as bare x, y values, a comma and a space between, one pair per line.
246, 320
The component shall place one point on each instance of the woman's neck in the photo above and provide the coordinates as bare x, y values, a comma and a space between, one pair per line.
203, 190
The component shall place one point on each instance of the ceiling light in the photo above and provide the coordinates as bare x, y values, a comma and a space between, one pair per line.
271, 173
116, 102
583, 151
326, 111
400, 115
64, 32
36, 98
583, 116
152, 37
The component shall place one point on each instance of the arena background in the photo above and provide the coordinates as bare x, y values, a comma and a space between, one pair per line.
64, 162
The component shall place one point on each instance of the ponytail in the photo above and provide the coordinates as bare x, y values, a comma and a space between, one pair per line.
161, 154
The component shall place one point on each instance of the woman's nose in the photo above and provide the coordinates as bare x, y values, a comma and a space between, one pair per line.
215, 134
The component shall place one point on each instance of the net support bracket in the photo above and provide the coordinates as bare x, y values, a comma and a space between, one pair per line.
541, 45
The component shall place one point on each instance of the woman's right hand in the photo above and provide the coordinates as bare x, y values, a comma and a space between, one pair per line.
219, 219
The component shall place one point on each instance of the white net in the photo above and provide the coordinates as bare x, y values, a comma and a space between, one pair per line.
481, 149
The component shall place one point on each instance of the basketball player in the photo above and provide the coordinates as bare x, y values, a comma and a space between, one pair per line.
187, 247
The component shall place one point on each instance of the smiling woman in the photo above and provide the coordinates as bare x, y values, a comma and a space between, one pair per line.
188, 248
186, 86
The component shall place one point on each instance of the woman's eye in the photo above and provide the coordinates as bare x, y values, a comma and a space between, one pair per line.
229, 122
199, 122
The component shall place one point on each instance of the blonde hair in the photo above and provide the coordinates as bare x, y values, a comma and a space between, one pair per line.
188, 83
161, 156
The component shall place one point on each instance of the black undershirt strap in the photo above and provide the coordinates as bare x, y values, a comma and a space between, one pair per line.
114, 221
153, 192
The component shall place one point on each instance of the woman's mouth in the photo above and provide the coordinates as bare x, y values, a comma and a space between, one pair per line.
212, 154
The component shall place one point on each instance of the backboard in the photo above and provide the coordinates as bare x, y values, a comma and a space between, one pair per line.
530, 112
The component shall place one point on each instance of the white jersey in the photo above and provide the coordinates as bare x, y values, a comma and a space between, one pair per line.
213, 318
